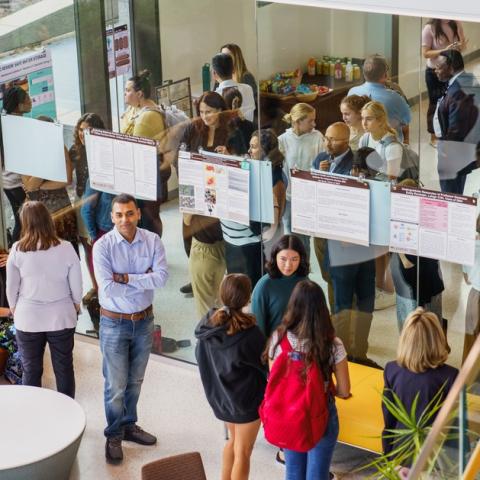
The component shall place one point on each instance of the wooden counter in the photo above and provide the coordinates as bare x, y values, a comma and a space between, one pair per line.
327, 106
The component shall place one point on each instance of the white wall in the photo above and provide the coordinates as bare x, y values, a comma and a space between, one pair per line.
192, 32
288, 35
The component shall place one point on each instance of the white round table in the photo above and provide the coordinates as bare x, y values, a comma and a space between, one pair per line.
40, 432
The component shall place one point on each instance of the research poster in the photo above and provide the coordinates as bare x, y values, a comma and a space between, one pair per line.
32, 147
120, 163
33, 72
330, 206
433, 224
119, 56
214, 186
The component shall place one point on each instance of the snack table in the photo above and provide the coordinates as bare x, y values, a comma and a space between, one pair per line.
327, 106
41, 433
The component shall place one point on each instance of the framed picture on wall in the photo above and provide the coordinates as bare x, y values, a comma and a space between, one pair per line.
176, 93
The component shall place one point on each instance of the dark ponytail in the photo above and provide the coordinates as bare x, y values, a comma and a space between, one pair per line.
141, 83
235, 292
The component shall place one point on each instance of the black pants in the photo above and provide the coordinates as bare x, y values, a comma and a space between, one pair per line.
151, 216
31, 346
247, 259
16, 197
435, 89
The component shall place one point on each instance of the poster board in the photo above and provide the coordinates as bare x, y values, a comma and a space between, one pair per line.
330, 206
33, 147
260, 186
433, 224
214, 186
119, 55
176, 93
379, 212
34, 73
119, 163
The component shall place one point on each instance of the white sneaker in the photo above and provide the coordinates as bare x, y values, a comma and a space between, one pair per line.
384, 299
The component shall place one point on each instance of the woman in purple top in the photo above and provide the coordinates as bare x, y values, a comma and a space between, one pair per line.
44, 290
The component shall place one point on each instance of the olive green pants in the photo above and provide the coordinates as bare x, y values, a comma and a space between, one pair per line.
207, 267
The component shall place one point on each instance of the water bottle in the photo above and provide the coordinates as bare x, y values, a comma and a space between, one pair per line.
206, 79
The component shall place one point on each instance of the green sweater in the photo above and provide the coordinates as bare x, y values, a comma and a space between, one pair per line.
270, 299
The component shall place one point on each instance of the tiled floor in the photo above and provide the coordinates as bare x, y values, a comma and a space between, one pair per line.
173, 406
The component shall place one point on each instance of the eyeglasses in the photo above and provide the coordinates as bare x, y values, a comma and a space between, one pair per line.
336, 140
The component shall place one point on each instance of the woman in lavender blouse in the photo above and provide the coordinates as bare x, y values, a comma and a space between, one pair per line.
44, 290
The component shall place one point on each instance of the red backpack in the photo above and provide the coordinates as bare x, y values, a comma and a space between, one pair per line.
294, 411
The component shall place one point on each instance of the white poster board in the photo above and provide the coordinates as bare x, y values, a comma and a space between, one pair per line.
33, 147
214, 186
433, 224
330, 206
120, 163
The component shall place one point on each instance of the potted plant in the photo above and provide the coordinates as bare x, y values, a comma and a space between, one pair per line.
408, 441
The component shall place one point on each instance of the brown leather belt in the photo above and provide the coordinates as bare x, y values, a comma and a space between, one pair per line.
134, 317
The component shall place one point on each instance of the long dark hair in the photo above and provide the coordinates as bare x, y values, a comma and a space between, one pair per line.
308, 318
92, 120
213, 100
38, 230
235, 292
437, 28
288, 242
269, 144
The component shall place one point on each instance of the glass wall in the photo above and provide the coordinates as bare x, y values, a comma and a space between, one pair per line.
299, 60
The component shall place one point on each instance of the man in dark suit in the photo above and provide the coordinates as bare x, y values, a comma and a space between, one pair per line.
456, 122
338, 157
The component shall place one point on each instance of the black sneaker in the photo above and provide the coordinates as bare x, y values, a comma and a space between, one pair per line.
133, 433
113, 450
187, 289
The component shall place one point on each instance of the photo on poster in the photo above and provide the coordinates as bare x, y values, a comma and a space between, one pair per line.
214, 186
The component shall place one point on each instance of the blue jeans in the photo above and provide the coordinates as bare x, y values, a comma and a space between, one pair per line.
314, 464
125, 347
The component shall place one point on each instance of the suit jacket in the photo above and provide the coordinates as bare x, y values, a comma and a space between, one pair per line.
458, 111
343, 168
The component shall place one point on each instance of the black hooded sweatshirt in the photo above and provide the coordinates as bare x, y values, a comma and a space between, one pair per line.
233, 375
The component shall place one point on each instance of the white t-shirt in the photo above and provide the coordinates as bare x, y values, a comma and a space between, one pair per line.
338, 352
391, 154
248, 100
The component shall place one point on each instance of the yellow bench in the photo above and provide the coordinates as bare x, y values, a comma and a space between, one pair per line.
360, 416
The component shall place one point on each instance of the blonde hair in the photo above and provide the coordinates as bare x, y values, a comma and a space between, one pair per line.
298, 112
422, 343
239, 66
377, 110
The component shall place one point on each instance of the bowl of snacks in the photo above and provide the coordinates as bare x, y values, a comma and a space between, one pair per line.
306, 93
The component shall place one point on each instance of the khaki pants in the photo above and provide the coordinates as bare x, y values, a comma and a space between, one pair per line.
207, 268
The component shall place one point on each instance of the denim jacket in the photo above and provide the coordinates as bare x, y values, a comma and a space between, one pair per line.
95, 210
